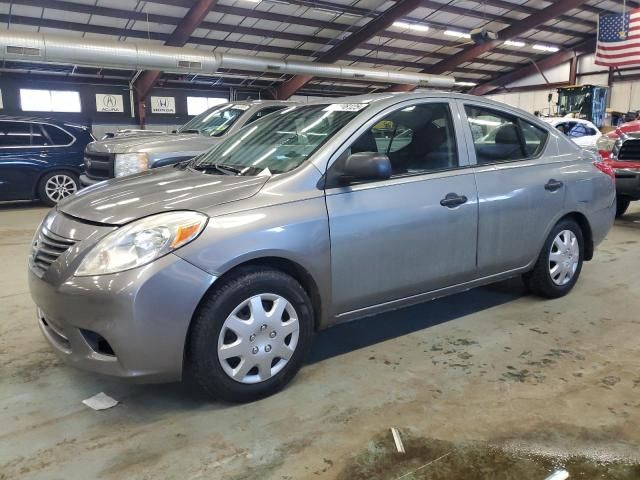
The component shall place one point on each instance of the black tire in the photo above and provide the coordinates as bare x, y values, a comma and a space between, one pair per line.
202, 365
622, 203
539, 280
45, 196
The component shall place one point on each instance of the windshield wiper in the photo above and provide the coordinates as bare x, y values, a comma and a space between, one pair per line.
226, 169
190, 130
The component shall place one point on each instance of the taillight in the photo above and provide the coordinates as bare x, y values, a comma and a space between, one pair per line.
606, 169
605, 146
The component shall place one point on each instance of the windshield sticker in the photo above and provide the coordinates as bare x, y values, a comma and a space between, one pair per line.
241, 107
345, 107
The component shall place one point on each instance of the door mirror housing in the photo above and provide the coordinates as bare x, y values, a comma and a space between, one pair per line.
365, 166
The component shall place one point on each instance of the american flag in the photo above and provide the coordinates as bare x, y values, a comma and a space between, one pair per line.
619, 39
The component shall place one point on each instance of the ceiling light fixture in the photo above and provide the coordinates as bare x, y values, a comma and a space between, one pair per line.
455, 33
545, 48
411, 26
465, 84
515, 43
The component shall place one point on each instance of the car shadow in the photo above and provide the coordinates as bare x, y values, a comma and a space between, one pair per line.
357, 334
22, 205
631, 219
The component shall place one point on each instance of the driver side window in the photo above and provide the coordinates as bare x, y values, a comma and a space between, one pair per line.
417, 139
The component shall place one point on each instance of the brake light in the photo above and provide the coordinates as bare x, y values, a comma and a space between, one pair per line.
606, 169
605, 146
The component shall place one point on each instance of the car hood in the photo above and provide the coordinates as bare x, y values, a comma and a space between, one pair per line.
122, 200
155, 144
628, 127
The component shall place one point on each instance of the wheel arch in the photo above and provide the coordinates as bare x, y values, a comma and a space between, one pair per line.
587, 233
285, 265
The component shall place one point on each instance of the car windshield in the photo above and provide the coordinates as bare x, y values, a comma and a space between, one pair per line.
215, 121
278, 143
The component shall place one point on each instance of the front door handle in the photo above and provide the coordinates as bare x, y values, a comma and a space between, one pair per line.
44, 153
453, 200
553, 185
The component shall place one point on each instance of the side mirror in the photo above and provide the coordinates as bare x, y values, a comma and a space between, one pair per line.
364, 166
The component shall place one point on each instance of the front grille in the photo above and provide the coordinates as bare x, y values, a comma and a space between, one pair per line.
99, 166
47, 248
630, 150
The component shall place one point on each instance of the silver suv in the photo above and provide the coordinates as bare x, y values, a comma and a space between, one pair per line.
127, 154
221, 269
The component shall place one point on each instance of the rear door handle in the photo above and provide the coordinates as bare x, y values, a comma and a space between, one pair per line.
453, 200
44, 153
553, 185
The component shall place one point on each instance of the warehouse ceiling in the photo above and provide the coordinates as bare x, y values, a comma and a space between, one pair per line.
404, 35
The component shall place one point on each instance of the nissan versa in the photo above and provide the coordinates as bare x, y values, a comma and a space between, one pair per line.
220, 269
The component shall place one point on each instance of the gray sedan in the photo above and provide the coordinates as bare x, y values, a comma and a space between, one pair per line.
222, 268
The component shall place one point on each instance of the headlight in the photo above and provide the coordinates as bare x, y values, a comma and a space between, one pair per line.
130, 163
141, 242
605, 144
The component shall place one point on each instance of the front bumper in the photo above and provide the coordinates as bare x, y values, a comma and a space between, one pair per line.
628, 182
86, 181
143, 315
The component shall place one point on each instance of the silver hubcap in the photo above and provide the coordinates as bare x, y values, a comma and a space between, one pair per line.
59, 187
564, 257
258, 338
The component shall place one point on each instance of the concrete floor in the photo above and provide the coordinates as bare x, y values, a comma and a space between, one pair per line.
491, 382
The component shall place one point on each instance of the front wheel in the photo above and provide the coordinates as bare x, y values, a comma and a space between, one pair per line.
56, 186
560, 261
249, 336
622, 203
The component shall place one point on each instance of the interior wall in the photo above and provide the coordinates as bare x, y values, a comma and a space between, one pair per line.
625, 95
103, 122
530, 101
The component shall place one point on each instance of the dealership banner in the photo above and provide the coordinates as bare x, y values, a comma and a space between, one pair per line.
106, 102
163, 105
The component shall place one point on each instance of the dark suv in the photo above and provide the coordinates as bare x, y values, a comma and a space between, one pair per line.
40, 158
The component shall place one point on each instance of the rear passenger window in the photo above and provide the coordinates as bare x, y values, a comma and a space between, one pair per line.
500, 137
55, 136
417, 139
578, 130
534, 138
15, 134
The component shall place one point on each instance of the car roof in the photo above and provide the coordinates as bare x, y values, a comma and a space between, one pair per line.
59, 123
14, 118
386, 99
264, 102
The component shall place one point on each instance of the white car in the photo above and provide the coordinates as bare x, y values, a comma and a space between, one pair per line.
582, 132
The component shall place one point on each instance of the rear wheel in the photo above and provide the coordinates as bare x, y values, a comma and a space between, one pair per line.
560, 261
249, 337
622, 203
56, 186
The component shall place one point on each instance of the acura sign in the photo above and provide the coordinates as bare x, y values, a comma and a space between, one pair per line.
106, 102
163, 105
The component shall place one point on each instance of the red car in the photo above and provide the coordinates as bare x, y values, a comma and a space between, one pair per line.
620, 149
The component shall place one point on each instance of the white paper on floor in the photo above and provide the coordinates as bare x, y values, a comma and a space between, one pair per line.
558, 475
101, 401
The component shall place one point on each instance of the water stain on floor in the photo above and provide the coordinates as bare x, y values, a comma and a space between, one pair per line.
432, 459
